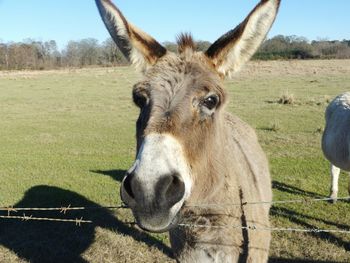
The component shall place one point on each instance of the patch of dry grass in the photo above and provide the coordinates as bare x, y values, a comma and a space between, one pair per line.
111, 250
286, 98
312, 69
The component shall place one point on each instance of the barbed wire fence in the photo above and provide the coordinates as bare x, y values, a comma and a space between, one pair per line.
79, 221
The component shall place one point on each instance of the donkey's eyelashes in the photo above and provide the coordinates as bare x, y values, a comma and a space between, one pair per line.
207, 105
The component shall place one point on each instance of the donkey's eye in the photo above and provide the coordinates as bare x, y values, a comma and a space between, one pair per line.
211, 102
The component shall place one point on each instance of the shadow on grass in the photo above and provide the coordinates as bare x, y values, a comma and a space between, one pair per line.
297, 191
303, 220
294, 190
62, 242
117, 175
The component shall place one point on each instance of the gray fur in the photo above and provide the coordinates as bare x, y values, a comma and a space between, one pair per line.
336, 138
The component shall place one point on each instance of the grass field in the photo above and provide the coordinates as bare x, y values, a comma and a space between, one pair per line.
67, 137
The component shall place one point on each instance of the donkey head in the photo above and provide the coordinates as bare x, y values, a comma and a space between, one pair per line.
181, 99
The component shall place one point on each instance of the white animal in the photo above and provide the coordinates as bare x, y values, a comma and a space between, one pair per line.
336, 139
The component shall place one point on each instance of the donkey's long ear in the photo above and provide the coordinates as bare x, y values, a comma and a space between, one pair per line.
136, 45
237, 46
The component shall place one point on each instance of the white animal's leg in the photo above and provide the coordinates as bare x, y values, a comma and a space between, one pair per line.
334, 182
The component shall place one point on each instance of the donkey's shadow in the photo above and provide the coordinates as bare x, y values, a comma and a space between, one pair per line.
40, 242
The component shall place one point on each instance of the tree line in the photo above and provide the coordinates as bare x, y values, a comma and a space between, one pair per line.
38, 55
295, 47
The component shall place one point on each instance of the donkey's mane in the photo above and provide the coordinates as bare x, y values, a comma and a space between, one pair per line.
185, 41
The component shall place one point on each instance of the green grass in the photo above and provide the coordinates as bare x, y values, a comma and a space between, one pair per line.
67, 137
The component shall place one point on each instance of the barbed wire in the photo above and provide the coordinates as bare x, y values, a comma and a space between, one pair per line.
275, 229
64, 209
78, 222
304, 201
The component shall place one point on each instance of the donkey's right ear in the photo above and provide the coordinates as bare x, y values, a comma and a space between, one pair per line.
140, 48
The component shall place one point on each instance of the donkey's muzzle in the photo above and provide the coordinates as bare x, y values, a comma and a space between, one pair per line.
154, 204
168, 190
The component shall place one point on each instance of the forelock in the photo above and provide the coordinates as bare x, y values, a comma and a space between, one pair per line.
185, 41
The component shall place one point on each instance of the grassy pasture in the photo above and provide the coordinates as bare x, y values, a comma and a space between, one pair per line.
67, 137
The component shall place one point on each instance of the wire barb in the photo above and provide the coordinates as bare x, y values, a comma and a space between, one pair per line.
26, 218
10, 209
78, 221
65, 209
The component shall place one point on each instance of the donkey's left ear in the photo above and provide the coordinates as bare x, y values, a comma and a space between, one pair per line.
237, 46
137, 46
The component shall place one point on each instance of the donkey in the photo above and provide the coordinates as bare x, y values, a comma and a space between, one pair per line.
336, 139
190, 151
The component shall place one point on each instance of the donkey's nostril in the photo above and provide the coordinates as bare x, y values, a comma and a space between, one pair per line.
127, 185
175, 190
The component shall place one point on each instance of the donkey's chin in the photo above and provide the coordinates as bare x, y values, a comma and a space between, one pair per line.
157, 225
159, 221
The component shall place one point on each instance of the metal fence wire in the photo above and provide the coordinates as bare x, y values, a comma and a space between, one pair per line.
79, 221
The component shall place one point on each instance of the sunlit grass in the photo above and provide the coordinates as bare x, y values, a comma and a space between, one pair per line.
74, 131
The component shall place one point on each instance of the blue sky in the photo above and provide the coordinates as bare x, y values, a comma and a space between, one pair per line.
64, 20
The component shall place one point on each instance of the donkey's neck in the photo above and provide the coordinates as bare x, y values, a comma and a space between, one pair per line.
216, 180
211, 216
